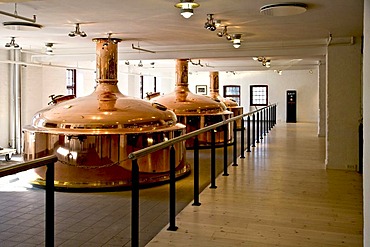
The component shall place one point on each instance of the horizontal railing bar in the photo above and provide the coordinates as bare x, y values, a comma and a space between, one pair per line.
145, 151
20, 167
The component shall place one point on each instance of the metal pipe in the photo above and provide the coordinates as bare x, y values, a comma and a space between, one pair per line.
18, 102
196, 172
242, 139
248, 134
49, 205
253, 130
172, 200
225, 129
12, 101
18, 16
258, 128
235, 146
213, 160
141, 49
135, 205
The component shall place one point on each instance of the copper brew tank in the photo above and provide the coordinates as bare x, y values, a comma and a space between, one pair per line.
93, 135
230, 103
193, 110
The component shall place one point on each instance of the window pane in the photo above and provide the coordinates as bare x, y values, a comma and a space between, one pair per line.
258, 95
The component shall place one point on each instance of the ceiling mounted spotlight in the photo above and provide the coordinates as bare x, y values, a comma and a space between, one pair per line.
12, 43
187, 7
224, 33
264, 61
283, 9
49, 48
236, 40
27, 24
77, 32
210, 23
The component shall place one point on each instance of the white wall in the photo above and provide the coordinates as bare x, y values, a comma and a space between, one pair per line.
304, 81
343, 70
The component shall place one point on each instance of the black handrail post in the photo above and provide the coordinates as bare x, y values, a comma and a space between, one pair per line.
242, 139
172, 226
235, 146
213, 160
265, 121
135, 204
261, 122
270, 117
196, 172
225, 149
49, 206
254, 130
258, 128
248, 134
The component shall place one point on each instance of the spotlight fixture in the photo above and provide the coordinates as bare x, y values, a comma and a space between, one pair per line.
49, 48
210, 23
224, 33
236, 40
280, 72
187, 7
12, 43
264, 61
77, 32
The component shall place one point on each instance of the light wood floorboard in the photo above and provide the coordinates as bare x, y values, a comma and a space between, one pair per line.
279, 195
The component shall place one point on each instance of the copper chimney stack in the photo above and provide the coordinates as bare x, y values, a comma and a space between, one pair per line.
230, 103
93, 135
193, 110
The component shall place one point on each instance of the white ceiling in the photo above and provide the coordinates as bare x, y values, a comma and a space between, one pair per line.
291, 42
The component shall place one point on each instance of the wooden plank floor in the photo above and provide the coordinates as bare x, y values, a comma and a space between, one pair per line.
279, 195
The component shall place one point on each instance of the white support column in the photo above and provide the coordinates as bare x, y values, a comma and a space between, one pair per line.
366, 114
322, 100
343, 70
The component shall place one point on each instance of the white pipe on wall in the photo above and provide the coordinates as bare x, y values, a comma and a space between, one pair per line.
11, 118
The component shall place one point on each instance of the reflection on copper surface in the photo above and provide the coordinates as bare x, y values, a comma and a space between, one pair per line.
193, 110
93, 135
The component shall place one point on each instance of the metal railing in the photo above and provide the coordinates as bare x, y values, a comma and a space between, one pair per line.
263, 120
47, 161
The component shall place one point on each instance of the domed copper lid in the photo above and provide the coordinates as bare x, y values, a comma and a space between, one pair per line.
184, 102
106, 110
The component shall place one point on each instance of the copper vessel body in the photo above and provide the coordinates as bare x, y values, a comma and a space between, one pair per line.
231, 104
195, 111
93, 135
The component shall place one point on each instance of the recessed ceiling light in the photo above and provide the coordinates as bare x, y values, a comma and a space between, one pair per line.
283, 9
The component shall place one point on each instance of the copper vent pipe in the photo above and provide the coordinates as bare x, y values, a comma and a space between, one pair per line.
106, 60
214, 84
182, 85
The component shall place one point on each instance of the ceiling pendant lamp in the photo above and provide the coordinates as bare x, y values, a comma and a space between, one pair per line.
187, 7
236, 40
